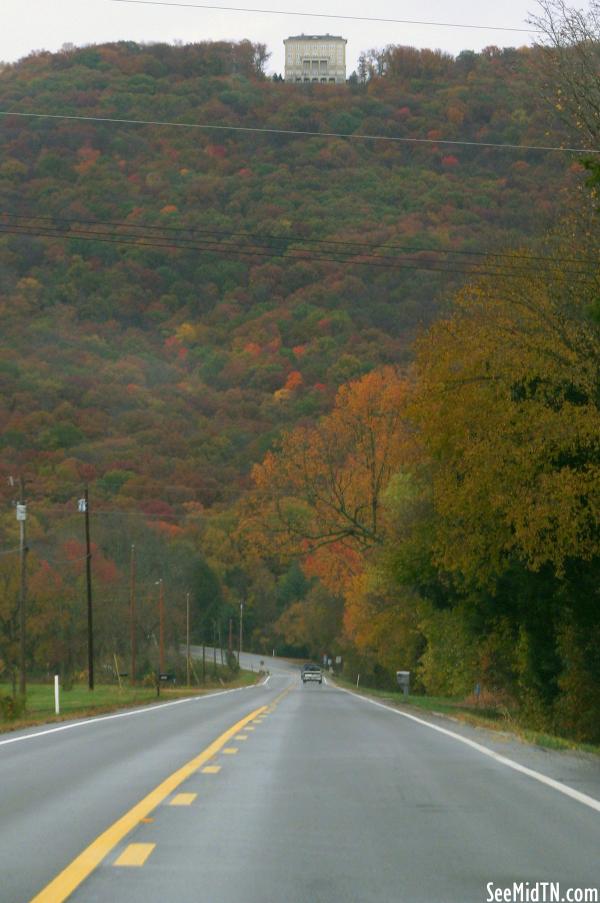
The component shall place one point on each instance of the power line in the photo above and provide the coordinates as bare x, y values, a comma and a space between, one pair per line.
150, 242
282, 12
300, 132
143, 241
294, 237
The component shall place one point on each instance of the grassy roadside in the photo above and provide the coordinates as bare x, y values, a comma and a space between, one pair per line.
79, 702
455, 708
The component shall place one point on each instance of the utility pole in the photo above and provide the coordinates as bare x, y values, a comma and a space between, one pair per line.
230, 648
203, 657
187, 637
132, 614
84, 506
214, 648
21, 517
241, 630
161, 628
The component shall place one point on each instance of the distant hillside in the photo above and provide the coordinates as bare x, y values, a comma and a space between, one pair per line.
160, 375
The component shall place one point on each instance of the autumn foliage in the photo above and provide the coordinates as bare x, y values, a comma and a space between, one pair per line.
323, 486
243, 399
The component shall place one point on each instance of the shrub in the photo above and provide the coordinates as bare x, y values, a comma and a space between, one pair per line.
12, 707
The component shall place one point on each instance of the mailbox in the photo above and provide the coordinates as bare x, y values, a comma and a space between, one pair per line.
403, 678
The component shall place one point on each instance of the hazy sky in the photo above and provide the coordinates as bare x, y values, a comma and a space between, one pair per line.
27, 25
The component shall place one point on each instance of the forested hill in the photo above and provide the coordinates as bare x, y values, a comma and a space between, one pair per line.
159, 374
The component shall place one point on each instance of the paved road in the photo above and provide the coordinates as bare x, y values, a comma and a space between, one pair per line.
328, 798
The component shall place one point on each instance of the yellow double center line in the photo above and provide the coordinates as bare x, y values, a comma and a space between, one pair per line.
83, 865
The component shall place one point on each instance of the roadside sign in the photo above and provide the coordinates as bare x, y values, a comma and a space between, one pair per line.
21, 511
81, 505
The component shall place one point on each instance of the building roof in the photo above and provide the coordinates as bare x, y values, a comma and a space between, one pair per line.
315, 37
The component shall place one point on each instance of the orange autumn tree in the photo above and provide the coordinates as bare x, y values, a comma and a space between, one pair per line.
319, 496
321, 489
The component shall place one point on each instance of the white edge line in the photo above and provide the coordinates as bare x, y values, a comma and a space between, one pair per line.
143, 710
502, 760
265, 681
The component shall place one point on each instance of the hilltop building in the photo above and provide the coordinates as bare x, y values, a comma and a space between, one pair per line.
315, 58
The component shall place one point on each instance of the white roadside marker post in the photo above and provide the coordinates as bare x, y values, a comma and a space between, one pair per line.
56, 695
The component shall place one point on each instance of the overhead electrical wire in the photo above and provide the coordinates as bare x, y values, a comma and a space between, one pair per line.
298, 132
295, 238
150, 243
258, 251
283, 12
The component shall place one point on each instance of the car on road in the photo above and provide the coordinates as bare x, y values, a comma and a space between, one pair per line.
310, 672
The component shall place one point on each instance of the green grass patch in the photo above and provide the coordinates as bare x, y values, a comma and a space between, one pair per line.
79, 701
498, 719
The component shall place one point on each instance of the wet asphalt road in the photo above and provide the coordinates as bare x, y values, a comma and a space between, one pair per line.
325, 797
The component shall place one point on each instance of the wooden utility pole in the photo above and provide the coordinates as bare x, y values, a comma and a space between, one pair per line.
161, 628
88, 574
230, 636
132, 615
203, 660
21, 517
187, 637
215, 648
241, 630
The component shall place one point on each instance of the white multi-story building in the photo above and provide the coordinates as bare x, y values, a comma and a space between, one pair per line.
315, 58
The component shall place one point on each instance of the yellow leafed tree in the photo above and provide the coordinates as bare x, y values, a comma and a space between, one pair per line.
508, 406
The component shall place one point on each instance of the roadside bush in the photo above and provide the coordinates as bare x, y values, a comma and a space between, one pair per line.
576, 709
12, 707
232, 663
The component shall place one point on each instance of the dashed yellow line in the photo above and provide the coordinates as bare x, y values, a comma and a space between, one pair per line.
83, 865
211, 769
229, 750
183, 799
240, 737
135, 854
